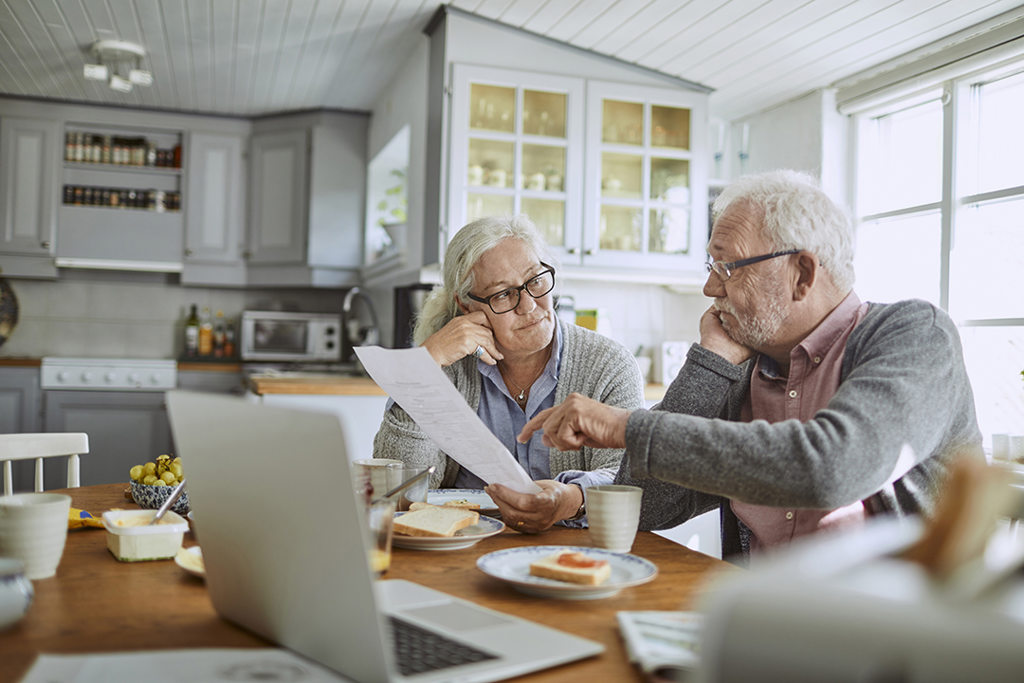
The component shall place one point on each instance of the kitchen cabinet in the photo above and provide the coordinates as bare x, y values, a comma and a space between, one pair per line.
20, 403
646, 178
517, 147
214, 213
28, 189
614, 175
306, 200
118, 206
20, 410
125, 428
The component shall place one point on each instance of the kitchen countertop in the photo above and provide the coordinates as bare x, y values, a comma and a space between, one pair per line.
327, 384
313, 383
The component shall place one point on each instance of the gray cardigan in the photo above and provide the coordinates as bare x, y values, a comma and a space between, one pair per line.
591, 364
902, 383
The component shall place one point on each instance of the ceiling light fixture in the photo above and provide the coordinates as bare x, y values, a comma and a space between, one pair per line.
118, 62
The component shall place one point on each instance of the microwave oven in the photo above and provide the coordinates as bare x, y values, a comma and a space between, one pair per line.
287, 336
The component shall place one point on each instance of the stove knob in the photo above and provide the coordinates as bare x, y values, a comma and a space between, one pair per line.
154, 379
110, 377
86, 377
134, 378
63, 376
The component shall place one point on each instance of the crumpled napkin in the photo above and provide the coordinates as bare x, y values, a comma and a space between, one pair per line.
80, 518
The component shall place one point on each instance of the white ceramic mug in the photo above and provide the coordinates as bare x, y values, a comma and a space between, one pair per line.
33, 529
613, 514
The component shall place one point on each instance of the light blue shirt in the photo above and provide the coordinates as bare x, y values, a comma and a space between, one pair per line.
503, 416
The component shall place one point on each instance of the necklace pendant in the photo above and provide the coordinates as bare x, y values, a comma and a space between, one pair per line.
522, 396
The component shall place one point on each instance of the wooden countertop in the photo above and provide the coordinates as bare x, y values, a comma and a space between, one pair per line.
308, 383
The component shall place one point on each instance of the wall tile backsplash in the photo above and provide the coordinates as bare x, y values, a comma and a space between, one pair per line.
130, 315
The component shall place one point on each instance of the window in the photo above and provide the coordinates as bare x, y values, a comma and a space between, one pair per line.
940, 208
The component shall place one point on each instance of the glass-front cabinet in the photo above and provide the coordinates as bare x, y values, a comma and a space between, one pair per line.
517, 143
614, 175
646, 179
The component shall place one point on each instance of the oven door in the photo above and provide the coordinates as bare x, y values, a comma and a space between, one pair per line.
125, 428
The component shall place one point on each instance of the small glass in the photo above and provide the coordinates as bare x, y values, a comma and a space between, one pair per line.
380, 519
416, 493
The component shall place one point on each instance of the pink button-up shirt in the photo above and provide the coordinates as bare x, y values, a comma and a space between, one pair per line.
814, 368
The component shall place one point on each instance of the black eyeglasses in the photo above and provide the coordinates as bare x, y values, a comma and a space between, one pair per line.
724, 270
507, 299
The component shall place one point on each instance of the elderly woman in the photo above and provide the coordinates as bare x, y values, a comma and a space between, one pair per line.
493, 329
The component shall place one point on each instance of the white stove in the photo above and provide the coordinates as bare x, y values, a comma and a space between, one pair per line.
108, 374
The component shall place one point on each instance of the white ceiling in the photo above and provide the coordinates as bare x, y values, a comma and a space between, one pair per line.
250, 57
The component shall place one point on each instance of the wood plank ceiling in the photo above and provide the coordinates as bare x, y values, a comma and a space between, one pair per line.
251, 57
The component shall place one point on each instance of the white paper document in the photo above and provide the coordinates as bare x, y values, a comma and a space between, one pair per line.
419, 385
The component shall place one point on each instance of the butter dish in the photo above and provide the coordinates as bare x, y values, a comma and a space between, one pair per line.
130, 538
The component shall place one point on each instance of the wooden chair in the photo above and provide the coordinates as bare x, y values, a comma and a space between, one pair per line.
39, 446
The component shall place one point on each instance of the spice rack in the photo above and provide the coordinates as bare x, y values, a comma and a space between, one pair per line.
121, 193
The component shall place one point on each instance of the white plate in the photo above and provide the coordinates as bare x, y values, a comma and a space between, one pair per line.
513, 566
191, 560
442, 496
463, 538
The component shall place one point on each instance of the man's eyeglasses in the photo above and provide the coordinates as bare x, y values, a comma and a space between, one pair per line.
507, 299
724, 270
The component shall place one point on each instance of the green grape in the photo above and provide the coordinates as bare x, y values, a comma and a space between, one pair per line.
149, 479
150, 468
169, 478
176, 470
159, 482
136, 472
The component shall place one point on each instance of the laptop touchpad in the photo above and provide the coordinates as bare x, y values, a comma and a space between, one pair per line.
455, 616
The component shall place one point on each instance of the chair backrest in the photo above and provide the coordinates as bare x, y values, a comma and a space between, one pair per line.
39, 446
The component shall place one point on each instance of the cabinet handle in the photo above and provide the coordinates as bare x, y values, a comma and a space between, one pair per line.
188, 252
588, 252
571, 250
45, 244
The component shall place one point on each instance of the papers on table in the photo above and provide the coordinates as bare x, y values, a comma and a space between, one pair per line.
419, 385
660, 642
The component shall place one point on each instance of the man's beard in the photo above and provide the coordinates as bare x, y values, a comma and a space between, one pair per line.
757, 331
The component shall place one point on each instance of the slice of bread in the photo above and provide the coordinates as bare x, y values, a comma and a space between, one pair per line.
573, 567
424, 519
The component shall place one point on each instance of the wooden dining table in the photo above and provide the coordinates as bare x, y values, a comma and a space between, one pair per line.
96, 604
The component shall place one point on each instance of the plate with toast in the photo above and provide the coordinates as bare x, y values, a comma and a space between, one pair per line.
442, 527
567, 572
472, 499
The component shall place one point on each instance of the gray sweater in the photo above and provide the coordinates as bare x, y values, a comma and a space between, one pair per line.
902, 383
591, 364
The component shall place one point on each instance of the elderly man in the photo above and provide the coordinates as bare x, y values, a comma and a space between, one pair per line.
802, 408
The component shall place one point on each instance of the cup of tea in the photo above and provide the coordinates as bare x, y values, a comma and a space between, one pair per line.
380, 520
613, 515
373, 477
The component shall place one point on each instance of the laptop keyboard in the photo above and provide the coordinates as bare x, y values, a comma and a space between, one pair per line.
418, 650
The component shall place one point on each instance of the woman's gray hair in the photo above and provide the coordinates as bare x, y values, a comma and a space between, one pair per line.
797, 214
470, 243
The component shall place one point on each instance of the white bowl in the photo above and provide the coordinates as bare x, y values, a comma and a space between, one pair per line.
16, 591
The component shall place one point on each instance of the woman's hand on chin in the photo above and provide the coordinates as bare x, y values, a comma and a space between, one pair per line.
461, 337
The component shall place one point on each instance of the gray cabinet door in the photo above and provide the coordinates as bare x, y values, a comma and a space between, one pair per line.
28, 196
279, 197
125, 428
19, 400
213, 210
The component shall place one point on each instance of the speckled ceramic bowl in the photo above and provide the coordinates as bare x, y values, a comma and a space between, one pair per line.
152, 497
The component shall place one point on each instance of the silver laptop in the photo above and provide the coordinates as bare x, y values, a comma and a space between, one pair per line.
284, 548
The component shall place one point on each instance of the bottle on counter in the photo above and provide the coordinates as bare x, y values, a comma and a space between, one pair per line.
218, 335
205, 334
192, 333
229, 340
